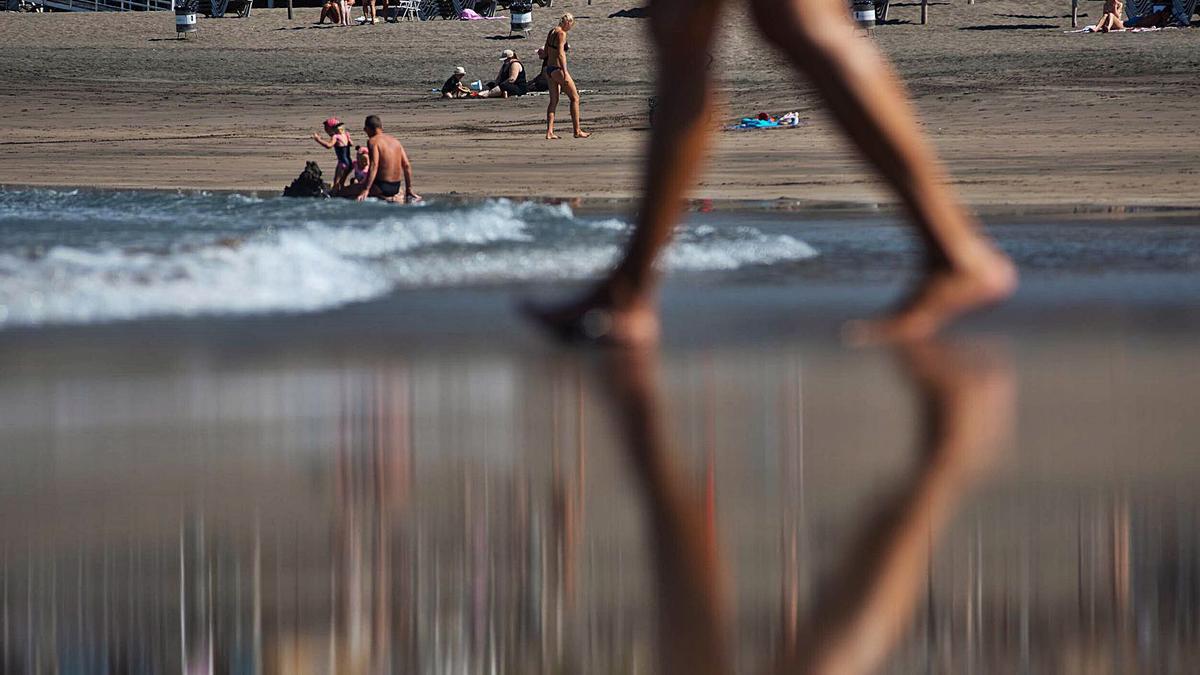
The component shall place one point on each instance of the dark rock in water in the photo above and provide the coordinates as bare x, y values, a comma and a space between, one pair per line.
308, 184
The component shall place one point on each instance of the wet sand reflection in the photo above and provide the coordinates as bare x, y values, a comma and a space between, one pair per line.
968, 403
764, 511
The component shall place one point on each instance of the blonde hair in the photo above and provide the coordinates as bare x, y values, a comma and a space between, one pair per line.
566, 19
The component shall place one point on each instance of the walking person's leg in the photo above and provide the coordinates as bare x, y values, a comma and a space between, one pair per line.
573, 96
551, 108
962, 269
622, 308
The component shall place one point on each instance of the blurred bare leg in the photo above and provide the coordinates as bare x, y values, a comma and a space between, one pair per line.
687, 569
968, 400
622, 309
963, 271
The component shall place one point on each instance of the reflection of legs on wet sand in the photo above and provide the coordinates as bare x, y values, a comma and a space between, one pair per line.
968, 400
686, 567
967, 404
962, 269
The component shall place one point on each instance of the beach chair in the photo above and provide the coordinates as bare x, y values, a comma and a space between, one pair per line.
403, 10
881, 10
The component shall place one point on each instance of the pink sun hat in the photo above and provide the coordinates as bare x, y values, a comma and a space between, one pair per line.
332, 123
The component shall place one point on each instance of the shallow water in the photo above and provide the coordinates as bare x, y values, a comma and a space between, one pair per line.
82, 256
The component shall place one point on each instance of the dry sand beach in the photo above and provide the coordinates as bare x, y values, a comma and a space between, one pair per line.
1023, 113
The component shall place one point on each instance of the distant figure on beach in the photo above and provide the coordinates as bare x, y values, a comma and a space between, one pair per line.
962, 270
510, 81
332, 10
389, 166
539, 82
368, 10
1160, 16
339, 140
1110, 19
453, 87
559, 78
362, 172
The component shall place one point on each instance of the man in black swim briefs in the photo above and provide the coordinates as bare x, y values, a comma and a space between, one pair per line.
390, 167
387, 188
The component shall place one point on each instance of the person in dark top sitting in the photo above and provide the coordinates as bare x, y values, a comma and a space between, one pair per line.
511, 79
540, 83
454, 87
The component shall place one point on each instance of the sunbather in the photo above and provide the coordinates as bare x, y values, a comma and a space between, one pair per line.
1110, 19
332, 10
1160, 16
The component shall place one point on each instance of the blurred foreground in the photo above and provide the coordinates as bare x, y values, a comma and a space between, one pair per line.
764, 508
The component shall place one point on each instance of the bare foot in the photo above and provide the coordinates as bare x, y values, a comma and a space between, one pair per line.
970, 396
942, 296
551, 136
596, 319
582, 134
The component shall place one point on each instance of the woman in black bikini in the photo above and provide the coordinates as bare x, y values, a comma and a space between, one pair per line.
559, 78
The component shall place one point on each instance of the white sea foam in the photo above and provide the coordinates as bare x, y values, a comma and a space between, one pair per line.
303, 257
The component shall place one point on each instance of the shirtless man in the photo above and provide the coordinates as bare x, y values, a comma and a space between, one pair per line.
389, 166
963, 271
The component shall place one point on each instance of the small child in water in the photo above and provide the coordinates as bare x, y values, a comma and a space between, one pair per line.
340, 141
362, 167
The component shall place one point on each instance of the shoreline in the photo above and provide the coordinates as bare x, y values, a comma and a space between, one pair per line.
1026, 119
848, 209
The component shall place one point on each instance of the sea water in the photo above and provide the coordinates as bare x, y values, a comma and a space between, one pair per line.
83, 256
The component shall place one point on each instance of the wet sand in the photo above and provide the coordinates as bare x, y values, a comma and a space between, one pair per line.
421, 483
1023, 113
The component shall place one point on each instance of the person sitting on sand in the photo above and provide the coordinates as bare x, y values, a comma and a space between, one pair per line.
558, 77
454, 87
1110, 19
540, 83
362, 171
389, 166
332, 9
511, 79
340, 142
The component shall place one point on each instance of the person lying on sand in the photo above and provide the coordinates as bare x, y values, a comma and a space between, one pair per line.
510, 81
453, 87
1160, 16
962, 270
389, 166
